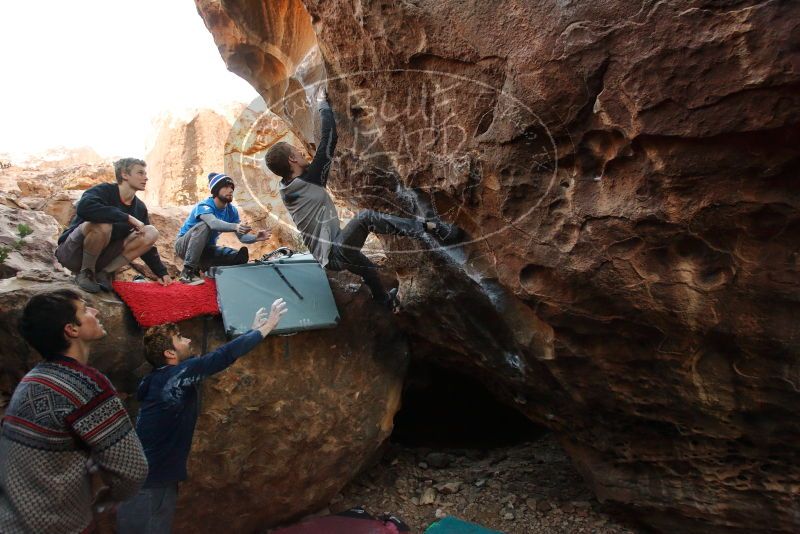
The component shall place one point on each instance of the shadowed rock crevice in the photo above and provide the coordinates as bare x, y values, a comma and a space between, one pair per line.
444, 409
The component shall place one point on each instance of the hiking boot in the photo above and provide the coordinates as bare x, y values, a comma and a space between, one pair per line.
105, 280
190, 277
85, 280
445, 233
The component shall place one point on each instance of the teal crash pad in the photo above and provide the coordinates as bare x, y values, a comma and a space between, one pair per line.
299, 280
452, 525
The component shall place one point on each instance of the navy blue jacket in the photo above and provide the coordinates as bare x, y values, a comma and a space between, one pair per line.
168, 409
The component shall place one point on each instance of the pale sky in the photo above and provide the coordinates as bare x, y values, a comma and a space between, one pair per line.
96, 72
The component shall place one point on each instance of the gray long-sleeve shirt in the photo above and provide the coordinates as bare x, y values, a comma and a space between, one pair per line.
307, 198
222, 226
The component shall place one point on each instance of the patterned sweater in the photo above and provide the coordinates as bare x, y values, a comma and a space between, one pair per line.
61, 414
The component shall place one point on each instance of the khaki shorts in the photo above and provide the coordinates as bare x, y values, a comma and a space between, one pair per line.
70, 252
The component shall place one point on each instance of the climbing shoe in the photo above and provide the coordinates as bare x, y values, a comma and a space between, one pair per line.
86, 281
241, 257
190, 277
445, 233
392, 302
105, 280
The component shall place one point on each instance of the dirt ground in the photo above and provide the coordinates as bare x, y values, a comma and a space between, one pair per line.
523, 489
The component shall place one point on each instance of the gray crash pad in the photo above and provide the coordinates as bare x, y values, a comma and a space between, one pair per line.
299, 280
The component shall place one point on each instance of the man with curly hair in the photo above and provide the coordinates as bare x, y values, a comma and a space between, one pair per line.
168, 399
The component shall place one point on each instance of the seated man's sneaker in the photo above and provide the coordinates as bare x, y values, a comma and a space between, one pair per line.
86, 281
105, 280
190, 277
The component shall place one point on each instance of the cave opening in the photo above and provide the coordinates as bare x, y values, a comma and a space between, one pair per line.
445, 409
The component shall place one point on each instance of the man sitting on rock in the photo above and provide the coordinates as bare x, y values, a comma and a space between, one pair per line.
197, 239
303, 190
110, 229
64, 421
168, 412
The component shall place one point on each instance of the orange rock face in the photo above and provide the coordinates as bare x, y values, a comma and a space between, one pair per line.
185, 150
627, 175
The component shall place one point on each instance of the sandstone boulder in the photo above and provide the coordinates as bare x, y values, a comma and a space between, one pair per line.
626, 173
185, 150
282, 430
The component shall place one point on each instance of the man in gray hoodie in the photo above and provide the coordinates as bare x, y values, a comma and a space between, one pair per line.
304, 193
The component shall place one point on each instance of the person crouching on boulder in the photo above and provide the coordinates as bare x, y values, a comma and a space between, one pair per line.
197, 240
110, 229
304, 193
168, 399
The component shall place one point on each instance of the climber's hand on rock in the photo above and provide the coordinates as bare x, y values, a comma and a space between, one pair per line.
323, 102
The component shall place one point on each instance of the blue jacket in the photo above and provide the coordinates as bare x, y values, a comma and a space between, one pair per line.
228, 214
169, 407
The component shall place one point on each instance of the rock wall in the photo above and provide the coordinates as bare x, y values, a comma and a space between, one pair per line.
627, 173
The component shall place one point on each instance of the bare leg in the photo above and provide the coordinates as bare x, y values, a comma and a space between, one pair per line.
96, 237
134, 246
138, 243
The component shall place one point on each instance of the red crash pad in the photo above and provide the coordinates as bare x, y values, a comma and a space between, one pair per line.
152, 304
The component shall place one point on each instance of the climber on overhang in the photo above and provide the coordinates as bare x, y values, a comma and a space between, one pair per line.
304, 193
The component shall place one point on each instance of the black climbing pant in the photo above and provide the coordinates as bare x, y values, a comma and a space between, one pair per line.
346, 252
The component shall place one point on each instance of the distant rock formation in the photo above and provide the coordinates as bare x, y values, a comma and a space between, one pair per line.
628, 175
185, 150
52, 159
